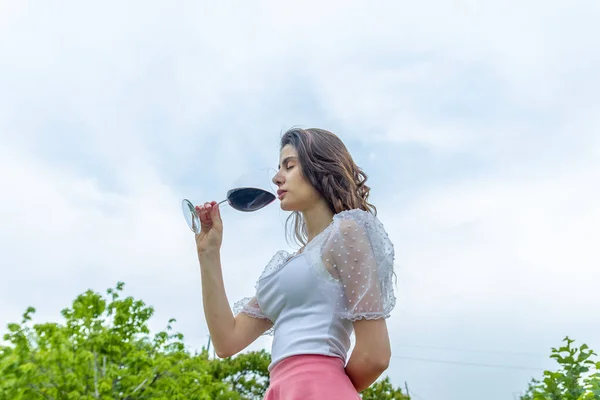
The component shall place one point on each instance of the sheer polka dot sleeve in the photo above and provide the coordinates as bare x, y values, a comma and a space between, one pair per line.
248, 306
360, 255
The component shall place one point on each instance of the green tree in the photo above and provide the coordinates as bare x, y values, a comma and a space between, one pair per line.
383, 390
246, 373
578, 377
104, 350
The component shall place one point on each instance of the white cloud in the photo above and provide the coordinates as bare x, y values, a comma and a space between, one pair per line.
504, 263
528, 239
63, 233
110, 114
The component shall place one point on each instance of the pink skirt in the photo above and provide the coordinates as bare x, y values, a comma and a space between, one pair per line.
310, 377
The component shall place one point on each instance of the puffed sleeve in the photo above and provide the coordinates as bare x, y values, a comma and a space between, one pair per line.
249, 306
359, 253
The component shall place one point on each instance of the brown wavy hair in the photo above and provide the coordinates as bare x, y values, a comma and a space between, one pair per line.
330, 169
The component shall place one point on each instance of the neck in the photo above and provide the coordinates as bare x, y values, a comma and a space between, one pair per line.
317, 218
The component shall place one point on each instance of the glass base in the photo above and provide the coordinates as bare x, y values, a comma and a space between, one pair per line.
192, 219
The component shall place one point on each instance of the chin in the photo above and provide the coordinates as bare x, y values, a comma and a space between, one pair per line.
284, 207
287, 206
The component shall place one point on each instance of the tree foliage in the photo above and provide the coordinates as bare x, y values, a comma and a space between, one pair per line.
383, 390
104, 350
578, 377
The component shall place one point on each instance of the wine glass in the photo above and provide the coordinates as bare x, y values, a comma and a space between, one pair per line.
250, 192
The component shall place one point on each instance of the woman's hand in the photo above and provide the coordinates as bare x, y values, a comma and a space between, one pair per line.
211, 228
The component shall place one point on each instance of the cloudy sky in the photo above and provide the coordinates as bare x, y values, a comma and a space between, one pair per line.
478, 124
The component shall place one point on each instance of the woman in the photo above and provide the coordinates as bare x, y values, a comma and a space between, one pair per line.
338, 283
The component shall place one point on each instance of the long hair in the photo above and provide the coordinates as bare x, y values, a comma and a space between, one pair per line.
328, 166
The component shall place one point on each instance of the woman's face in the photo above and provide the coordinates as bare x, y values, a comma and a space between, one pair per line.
295, 192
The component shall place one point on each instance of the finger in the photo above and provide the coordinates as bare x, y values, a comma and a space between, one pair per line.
215, 213
208, 207
205, 220
199, 211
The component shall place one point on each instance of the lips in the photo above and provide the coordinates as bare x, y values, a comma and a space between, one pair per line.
281, 193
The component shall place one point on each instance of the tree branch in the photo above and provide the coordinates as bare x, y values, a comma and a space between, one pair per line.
97, 395
139, 386
143, 389
37, 389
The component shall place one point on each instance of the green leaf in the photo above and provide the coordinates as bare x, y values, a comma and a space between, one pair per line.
572, 381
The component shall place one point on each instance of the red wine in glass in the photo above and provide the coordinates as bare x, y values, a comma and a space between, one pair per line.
251, 191
249, 199
246, 199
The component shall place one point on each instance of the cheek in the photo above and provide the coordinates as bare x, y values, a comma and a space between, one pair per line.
301, 186
308, 191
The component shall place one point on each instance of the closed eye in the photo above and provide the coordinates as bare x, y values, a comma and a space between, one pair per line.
286, 162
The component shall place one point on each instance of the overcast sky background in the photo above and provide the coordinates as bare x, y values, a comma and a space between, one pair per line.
478, 124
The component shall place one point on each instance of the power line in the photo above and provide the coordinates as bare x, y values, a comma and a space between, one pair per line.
412, 393
471, 350
468, 363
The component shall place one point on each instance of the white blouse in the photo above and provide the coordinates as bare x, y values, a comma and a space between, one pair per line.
344, 274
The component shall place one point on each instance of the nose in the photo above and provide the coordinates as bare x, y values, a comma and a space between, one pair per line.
278, 179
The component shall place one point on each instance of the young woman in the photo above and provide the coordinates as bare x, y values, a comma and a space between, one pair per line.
339, 282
